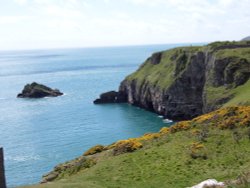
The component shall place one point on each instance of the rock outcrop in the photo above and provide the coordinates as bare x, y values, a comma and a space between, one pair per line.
111, 97
185, 82
36, 90
210, 183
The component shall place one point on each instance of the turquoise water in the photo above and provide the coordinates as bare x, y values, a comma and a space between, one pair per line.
39, 134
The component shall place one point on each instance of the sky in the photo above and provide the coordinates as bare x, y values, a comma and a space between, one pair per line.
38, 24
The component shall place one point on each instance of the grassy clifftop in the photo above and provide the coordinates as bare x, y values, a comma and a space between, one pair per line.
185, 82
214, 145
174, 61
171, 64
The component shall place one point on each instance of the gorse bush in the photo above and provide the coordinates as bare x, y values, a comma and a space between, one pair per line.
226, 118
94, 150
125, 146
197, 150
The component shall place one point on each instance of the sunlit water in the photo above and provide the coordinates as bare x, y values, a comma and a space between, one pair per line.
37, 134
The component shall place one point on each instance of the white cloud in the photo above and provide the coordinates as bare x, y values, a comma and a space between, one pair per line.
11, 19
21, 2
121, 22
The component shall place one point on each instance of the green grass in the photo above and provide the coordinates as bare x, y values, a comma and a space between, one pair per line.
167, 162
213, 94
241, 95
238, 52
226, 43
236, 96
164, 74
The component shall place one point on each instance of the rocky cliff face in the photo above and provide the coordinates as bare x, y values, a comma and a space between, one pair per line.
183, 83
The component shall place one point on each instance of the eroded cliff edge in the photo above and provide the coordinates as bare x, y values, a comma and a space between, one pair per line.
185, 82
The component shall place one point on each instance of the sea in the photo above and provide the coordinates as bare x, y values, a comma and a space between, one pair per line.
38, 134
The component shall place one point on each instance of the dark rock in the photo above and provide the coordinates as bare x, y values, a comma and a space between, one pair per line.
2, 171
36, 90
156, 58
49, 177
111, 97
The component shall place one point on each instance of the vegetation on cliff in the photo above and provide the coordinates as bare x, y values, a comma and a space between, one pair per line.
214, 145
185, 82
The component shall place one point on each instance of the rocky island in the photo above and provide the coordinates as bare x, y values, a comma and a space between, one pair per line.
185, 82
35, 90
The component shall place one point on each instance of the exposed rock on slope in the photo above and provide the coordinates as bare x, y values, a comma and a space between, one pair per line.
183, 83
36, 90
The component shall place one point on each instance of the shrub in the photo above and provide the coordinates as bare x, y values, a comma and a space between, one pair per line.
148, 136
197, 150
229, 123
94, 150
125, 146
165, 130
183, 125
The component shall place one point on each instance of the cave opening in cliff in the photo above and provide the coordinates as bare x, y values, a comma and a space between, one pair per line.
150, 106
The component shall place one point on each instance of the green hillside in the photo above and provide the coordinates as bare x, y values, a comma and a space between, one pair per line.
214, 145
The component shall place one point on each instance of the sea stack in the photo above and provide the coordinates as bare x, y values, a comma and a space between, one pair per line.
36, 90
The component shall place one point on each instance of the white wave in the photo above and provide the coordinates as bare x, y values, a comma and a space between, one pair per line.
167, 121
64, 94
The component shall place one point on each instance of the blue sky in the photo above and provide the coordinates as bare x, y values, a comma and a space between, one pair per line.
34, 24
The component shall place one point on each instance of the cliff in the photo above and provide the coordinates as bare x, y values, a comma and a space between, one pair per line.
185, 82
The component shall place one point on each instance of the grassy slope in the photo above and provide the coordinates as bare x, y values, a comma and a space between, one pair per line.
238, 95
241, 95
168, 160
162, 74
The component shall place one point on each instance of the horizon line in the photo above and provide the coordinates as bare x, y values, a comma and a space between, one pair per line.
104, 46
